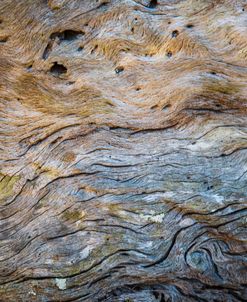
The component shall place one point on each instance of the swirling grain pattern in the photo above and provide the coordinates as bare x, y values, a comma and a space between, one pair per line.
123, 150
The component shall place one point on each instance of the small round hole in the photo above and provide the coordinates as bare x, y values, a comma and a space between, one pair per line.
119, 69
80, 48
169, 54
138, 89
189, 25
209, 188
175, 33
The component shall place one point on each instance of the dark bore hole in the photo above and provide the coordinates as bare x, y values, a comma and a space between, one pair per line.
67, 35
119, 69
70, 83
175, 33
80, 48
153, 4
94, 49
58, 69
213, 72
29, 67
70, 35
189, 25
103, 4
166, 107
3, 40
132, 29
138, 89
169, 54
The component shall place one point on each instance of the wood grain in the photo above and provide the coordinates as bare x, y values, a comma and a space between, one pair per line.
123, 150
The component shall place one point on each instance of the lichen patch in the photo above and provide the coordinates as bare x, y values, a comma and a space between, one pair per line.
61, 283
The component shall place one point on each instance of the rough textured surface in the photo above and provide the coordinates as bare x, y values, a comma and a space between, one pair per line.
123, 150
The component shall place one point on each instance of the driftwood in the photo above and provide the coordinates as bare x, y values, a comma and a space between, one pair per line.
123, 150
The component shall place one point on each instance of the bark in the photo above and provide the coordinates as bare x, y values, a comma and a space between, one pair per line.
123, 150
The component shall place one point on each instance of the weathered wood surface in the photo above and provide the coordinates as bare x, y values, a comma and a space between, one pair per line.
123, 150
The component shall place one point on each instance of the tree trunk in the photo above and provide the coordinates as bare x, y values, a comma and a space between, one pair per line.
123, 150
